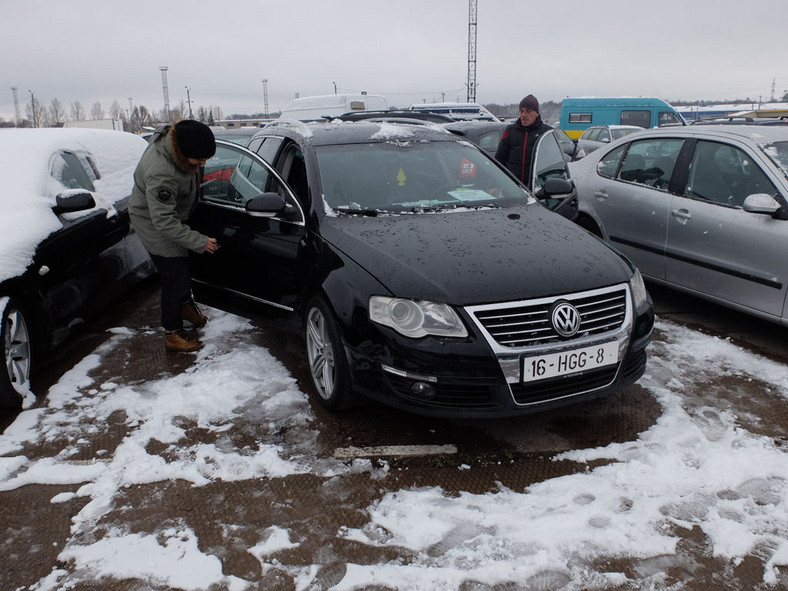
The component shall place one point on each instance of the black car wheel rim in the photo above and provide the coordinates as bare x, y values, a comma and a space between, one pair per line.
17, 351
320, 353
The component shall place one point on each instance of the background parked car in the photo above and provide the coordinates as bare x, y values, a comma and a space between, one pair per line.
402, 115
487, 135
742, 121
237, 135
420, 273
65, 244
597, 136
700, 208
550, 160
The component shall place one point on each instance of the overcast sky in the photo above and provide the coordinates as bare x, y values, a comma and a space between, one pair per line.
408, 50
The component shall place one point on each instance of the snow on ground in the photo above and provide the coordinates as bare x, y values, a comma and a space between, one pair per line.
694, 467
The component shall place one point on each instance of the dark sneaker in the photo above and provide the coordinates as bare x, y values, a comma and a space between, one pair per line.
179, 340
192, 314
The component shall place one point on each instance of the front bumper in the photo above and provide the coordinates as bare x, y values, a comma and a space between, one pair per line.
481, 377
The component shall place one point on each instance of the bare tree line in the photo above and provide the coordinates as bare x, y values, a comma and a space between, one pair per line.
134, 120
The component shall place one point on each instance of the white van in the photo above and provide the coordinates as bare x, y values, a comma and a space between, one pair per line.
314, 108
457, 111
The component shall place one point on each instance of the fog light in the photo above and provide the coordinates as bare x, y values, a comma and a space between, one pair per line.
423, 389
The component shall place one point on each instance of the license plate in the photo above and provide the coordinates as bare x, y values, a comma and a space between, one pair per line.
569, 362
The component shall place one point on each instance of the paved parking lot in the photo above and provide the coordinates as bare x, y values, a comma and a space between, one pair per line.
409, 452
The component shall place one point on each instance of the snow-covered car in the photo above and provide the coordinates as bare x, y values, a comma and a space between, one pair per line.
597, 136
418, 270
703, 209
66, 248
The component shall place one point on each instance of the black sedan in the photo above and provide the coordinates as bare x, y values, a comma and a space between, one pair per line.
65, 245
418, 271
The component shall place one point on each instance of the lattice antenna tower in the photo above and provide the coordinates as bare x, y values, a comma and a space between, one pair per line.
17, 112
265, 97
471, 98
166, 91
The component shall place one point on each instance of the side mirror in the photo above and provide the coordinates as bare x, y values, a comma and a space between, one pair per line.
73, 202
554, 186
265, 205
765, 204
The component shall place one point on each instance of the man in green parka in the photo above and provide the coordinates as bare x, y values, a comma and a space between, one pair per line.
166, 182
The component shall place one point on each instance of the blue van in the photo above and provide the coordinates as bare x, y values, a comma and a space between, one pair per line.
579, 113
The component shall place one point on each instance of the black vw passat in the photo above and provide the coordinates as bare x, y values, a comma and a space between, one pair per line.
419, 272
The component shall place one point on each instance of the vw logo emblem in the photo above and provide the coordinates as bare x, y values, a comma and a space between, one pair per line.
565, 319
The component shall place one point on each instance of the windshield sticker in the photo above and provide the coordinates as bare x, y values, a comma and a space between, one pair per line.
467, 169
470, 195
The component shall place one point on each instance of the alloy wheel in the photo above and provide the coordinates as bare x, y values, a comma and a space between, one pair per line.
320, 353
17, 351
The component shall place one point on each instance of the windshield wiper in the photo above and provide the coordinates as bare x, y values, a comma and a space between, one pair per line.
355, 211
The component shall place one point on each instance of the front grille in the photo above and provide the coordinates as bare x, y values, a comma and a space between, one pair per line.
561, 387
526, 324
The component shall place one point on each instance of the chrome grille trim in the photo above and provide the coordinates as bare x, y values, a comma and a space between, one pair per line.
527, 323
607, 316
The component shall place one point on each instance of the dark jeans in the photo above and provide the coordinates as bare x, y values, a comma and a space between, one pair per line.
176, 289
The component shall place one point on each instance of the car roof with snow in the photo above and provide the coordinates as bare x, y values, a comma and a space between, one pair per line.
344, 132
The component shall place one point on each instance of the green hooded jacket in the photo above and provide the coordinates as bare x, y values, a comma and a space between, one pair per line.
164, 193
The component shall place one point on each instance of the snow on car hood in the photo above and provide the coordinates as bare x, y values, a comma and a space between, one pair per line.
465, 258
29, 190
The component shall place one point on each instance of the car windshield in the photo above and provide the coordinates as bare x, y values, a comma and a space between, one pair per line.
619, 133
412, 176
562, 138
778, 151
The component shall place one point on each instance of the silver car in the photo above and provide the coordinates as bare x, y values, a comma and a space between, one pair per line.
598, 136
700, 209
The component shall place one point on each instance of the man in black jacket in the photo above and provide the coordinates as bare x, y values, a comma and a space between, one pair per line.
516, 148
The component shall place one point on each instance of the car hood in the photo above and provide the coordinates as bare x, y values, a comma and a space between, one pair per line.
477, 256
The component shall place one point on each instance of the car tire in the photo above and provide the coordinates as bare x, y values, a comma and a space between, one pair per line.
328, 366
16, 333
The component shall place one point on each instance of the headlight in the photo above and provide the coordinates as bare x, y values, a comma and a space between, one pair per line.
416, 319
639, 293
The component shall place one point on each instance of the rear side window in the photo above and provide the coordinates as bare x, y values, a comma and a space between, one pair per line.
651, 162
579, 117
639, 118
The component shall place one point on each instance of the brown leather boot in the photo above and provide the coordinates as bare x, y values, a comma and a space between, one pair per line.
180, 340
192, 314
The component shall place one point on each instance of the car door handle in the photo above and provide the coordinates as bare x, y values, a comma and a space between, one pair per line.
601, 195
682, 214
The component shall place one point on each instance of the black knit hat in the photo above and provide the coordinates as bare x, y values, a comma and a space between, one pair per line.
530, 102
195, 139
